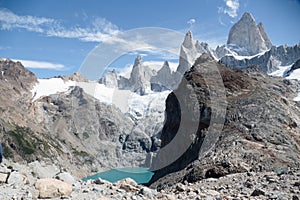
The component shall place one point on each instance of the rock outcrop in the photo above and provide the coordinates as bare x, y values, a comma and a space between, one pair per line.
110, 79
246, 34
140, 77
260, 133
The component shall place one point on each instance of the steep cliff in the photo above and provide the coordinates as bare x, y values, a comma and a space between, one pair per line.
260, 133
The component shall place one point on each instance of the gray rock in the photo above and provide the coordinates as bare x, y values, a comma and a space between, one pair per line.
258, 192
3, 177
246, 34
50, 188
147, 192
4, 169
66, 177
110, 79
15, 178
180, 187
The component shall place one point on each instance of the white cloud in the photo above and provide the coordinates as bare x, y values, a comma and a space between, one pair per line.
40, 64
231, 8
98, 31
191, 21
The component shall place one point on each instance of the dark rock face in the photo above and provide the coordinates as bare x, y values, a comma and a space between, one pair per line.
260, 132
15, 85
268, 62
16, 81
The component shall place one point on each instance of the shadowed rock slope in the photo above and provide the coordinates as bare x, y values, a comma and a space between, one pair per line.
261, 129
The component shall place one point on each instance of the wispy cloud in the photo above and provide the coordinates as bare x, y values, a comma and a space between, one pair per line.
41, 64
9, 20
97, 31
231, 8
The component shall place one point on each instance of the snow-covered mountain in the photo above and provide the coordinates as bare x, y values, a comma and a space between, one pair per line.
246, 34
245, 38
248, 44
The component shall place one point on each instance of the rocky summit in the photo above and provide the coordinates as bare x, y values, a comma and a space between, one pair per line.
246, 34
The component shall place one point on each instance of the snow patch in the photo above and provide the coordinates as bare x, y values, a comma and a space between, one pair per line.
297, 98
281, 70
294, 75
46, 87
237, 57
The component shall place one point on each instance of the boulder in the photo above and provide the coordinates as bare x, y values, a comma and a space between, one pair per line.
51, 188
3, 177
66, 177
4, 169
128, 184
16, 178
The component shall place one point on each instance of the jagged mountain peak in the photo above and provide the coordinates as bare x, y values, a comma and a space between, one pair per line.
188, 40
166, 63
246, 34
16, 74
138, 61
205, 57
247, 17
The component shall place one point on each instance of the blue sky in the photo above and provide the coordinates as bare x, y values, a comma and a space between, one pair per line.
53, 37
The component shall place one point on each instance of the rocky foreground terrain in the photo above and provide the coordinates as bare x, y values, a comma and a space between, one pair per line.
280, 184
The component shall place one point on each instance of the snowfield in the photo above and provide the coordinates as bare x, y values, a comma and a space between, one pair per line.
294, 75
127, 101
281, 70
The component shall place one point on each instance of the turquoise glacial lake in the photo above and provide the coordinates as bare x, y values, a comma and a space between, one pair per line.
139, 174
